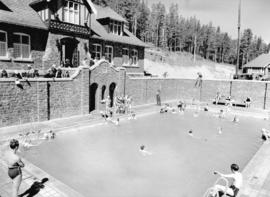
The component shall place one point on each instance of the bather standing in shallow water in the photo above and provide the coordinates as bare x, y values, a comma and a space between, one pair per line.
14, 166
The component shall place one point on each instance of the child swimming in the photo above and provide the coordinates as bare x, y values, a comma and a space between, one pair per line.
190, 133
144, 152
235, 119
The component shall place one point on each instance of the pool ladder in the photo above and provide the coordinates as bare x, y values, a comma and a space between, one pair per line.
211, 191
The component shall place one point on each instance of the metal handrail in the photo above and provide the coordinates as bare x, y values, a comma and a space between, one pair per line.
211, 189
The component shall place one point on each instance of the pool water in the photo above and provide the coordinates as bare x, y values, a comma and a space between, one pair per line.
105, 161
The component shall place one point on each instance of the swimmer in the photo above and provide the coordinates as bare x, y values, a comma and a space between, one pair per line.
196, 114
235, 119
14, 166
144, 152
49, 135
232, 190
104, 115
219, 130
221, 114
132, 116
116, 122
265, 134
190, 133
173, 111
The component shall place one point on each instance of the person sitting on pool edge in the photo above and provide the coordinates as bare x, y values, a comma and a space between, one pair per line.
265, 134
236, 185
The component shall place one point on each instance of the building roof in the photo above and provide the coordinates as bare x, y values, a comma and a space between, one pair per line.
21, 14
107, 12
101, 33
260, 62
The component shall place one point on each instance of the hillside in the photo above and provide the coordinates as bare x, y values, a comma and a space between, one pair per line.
181, 65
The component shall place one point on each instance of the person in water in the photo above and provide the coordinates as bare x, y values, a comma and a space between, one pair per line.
234, 188
143, 151
190, 132
14, 166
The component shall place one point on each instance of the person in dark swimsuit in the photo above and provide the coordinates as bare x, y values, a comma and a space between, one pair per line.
14, 166
14, 170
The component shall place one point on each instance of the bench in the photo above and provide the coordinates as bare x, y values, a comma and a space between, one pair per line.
235, 104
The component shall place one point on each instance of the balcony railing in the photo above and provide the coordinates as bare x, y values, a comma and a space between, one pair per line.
68, 27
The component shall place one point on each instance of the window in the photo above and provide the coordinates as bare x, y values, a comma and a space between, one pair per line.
44, 14
86, 16
109, 53
3, 44
96, 54
116, 27
21, 43
134, 57
125, 56
71, 12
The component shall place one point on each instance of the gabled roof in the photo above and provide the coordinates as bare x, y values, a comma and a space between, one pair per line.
21, 14
260, 62
107, 12
101, 33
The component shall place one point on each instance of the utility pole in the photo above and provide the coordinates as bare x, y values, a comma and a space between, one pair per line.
195, 46
238, 41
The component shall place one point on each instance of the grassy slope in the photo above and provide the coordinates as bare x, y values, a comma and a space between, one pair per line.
181, 65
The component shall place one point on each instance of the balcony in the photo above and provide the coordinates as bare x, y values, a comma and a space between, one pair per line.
68, 27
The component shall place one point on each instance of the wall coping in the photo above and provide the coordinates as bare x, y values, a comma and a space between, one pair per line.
71, 78
98, 63
227, 80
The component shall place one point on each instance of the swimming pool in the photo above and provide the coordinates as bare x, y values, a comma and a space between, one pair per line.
105, 161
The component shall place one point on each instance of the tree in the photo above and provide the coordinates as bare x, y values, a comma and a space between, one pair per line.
142, 20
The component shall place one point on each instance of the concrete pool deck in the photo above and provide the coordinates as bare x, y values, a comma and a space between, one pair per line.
256, 173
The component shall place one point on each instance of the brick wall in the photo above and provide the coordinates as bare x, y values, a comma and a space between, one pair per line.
44, 99
144, 90
104, 75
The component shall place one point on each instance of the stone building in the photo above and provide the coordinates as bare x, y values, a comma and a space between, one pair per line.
66, 33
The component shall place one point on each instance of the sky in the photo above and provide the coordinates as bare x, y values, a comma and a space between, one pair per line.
255, 14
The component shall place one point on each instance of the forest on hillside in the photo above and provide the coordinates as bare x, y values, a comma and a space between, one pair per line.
168, 29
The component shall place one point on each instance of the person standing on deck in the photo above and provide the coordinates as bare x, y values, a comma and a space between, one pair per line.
15, 164
158, 98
